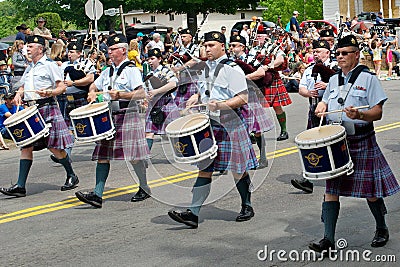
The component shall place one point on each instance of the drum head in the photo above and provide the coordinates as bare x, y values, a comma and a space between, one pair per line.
321, 133
20, 115
187, 123
89, 109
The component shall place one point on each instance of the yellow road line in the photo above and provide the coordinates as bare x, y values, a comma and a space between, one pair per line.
73, 202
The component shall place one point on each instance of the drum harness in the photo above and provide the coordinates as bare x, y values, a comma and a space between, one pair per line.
118, 106
351, 128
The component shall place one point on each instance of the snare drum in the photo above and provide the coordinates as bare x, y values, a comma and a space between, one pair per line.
192, 138
92, 122
324, 152
27, 126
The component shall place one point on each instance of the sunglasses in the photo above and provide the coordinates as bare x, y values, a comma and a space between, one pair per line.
344, 53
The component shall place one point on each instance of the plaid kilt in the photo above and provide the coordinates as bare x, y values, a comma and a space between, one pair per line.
59, 136
276, 94
80, 102
235, 151
372, 175
129, 142
170, 110
255, 115
180, 99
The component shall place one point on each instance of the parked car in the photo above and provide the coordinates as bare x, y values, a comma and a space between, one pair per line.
268, 25
146, 29
319, 24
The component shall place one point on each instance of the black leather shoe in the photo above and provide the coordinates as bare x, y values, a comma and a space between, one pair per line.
90, 198
303, 184
71, 182
381, 238
253, 139
185, 217
54, 159
262, 164
245, 214
322, 246
140, 195
14, 191
282, 136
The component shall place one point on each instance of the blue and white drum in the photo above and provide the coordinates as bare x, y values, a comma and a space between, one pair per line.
192, 138
27, 126
324, 152
92, 122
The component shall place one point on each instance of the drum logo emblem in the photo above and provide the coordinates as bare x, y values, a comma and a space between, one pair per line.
37, 119
80, 128
180, 147
104, 119
313, 159
18, 133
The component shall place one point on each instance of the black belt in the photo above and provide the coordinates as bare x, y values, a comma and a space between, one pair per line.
18, 73
361, 129
42, 102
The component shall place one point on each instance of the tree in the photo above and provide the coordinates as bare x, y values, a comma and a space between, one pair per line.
308, 9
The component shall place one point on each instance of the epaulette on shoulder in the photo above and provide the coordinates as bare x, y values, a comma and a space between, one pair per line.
368, 71
49, 59
230, 62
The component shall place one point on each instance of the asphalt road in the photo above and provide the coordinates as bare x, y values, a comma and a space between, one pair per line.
51, 228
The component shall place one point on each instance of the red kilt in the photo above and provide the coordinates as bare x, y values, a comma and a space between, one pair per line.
170, 110
276, 94
372, 175
235, 150
129, 142
59, 136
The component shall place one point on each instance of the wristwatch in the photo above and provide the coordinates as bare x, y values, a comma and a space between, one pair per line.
361, 115
73, 83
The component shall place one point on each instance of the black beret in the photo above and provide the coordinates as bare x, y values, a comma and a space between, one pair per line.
238, 39
116, 39
36, 39
185, 31
155, 52
348, 40
321, 44
214, 36
75, 46
326, 33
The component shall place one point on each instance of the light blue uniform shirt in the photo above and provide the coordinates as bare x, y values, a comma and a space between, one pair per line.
308, 81
366, 90
42, 75
129, 80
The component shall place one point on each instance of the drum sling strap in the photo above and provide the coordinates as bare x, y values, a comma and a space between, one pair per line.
111, 73
350, 128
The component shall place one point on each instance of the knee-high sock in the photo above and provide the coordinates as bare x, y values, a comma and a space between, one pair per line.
242, 186
201, 190
102, 171
330, 214
140, 170
69, 150
67, 165
378, 209
24, 167
261, 145
150, 142
282, 121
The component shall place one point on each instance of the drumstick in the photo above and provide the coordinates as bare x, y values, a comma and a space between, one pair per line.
35, 91
341, 110
102, 92
320, 122
184, 111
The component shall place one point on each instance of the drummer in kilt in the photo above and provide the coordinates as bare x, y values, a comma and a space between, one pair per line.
123, 83
222, 85
372, 178
160, 83
42, 81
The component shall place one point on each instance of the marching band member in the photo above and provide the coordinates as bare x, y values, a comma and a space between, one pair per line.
42, 81
222, 80
160, 83
275, 91
256, 117
372, 178
312, 87
122, 83
77, 79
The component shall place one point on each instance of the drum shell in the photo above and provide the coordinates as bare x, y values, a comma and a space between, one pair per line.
92, 122
26, 127
325, 158
192, 144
